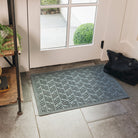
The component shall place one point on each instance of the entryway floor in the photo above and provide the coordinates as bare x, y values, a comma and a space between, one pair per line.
111, 120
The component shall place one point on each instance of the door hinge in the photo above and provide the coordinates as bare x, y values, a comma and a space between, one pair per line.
102, 44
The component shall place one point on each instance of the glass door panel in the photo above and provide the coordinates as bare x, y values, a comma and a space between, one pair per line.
84, 1
82, 25
53, 2
53, 24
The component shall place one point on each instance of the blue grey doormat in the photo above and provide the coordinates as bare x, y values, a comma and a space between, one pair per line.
75, 88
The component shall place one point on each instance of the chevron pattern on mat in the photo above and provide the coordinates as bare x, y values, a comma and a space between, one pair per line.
74, 88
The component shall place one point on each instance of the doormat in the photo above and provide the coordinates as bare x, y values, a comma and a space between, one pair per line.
74, 88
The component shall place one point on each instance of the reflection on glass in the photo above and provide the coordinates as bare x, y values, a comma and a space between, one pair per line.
84, 1
82, 25
53, 22
53, 2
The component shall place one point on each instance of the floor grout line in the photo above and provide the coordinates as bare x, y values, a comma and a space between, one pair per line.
36, 120
126, 113
34, 110
124, 105
87, 123
129, 112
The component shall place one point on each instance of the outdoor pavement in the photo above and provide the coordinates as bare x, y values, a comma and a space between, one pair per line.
53, 31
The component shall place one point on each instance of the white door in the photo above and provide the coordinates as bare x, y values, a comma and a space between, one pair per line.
65, 31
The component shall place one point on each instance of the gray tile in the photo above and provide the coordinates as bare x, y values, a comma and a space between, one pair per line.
28, 93
131, 90
68, 124
66, 66
117, 127
97, 62
13, 126
132, 107
78, 64
103, 111
34, 103
46, 69
26, 87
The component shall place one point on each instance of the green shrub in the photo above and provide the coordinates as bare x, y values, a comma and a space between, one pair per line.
49, 2
83, 34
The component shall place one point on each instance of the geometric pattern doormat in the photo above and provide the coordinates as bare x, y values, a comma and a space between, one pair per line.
74, 88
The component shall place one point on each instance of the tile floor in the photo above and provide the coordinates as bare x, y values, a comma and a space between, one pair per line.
111, 120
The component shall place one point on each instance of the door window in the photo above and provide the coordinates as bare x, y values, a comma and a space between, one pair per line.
66, 23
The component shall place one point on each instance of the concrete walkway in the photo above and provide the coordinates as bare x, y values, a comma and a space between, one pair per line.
53, 31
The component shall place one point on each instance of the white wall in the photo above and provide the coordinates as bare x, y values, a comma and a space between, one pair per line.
3, 20
123, 37
21, 22
114, 26
129, 38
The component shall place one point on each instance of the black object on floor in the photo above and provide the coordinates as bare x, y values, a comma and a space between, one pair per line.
3, 84
121, 67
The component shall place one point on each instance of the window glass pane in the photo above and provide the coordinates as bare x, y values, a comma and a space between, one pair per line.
53, 24
84, 1
82, 25
53, 2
